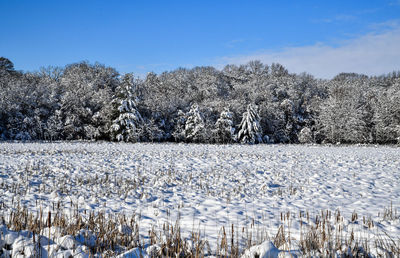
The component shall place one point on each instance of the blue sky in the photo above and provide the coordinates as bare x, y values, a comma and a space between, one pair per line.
319, 37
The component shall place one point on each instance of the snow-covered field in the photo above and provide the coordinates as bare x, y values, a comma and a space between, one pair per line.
206, 187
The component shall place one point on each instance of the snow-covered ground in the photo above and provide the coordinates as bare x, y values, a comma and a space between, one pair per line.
205, 186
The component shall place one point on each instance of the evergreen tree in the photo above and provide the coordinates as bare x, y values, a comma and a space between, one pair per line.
224, 130
250, 130
126, 126
194, 126
6, 66
305, 135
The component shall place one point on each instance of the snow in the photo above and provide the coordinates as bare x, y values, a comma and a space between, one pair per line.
204, 186
264, 250
134, 253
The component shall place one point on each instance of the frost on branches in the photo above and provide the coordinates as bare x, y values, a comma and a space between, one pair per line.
250, 130
194, 126
179, 132
84, 101
387, 116
224, 130
305, 135
126, 126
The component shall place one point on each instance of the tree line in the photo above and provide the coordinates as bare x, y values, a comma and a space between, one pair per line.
251, 103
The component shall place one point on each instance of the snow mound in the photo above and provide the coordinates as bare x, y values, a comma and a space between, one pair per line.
265, 250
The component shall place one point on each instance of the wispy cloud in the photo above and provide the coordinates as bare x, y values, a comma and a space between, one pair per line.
385, 26
371, 54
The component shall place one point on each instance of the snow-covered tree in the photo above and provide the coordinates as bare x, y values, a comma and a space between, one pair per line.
81, 101
224, 130
54, 126
149, 131
126, 126
85, 102
305, 135
387, 116
289, 119
250, 130
179, 131
194, 126
341, 117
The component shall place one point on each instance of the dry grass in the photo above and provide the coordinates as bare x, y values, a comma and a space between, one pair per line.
321, 235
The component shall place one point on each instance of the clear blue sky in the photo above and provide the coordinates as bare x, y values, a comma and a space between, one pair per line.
144, 36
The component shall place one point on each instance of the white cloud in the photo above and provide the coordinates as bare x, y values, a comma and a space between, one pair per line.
371, 54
